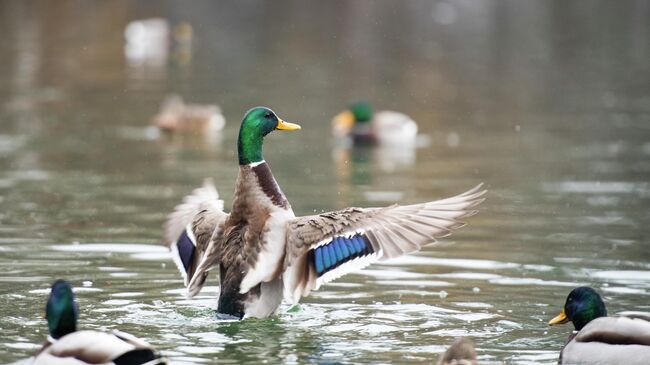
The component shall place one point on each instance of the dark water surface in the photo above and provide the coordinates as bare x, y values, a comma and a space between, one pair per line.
548, 103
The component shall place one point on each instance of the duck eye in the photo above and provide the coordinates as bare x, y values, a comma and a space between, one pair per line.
268, 115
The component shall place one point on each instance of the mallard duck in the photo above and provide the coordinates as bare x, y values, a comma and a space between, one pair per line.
66, 345
363, 126
147, 41
599, 339
461, 352
177, 116
264, 253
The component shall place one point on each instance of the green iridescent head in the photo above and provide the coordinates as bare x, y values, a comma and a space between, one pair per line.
361, 111
358, 115
582, 306
61, 310
257, 123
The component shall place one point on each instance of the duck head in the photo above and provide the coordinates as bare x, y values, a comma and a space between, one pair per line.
359, 112
257, 123
61, 310
582, 306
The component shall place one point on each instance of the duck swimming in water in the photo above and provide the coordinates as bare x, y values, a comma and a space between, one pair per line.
264, 253
599, 339
67, 346
176, 116
365, 127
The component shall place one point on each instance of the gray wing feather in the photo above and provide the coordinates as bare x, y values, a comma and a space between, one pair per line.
204, 198
393, 231
201, 213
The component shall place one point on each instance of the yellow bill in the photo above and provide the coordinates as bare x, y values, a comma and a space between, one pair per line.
286, 126
559, 319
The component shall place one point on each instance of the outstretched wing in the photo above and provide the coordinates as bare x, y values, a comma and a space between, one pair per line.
321, 248
190, 227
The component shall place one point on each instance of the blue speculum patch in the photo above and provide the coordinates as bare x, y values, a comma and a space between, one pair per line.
185, 250
339, 251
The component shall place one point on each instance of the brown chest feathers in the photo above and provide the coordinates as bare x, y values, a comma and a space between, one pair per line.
257, 197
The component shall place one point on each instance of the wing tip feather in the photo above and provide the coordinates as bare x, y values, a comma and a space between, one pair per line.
458, 225
471, 213
195, 285
184, 212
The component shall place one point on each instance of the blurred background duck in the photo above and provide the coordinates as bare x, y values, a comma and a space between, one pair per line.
461, 352
599, 339
364, 127
149, 41
66, 345
175, 116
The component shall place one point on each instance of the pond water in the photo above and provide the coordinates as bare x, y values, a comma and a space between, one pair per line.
546, 103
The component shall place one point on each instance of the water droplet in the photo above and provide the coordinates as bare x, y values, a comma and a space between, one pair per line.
443, 294
476, 289
87, 283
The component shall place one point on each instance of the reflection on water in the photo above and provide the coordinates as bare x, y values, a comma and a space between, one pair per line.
545, 105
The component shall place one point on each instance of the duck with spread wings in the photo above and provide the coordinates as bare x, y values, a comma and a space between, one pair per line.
265, 254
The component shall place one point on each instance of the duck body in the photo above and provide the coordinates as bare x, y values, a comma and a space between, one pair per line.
609, 340
254, 230
246, 245
393, 128
93, 347
364, 127
176, 116
599, 339
265, 254
66, 345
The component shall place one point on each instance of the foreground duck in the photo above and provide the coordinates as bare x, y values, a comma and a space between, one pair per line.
364, 127
599, 339
66, 345
461, 352
263, 253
